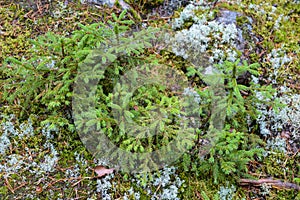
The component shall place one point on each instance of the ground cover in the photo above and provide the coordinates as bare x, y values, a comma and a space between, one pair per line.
252, 114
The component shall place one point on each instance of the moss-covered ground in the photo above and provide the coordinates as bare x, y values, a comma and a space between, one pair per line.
43, 157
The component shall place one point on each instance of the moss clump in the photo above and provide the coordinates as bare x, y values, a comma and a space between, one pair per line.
145, 3
14, 32
20, 22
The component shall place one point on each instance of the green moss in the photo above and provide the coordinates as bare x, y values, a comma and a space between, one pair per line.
286, 36
141, 8
14, 34
145, 4
241, 20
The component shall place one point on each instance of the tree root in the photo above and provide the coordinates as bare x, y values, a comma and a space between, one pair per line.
273, 183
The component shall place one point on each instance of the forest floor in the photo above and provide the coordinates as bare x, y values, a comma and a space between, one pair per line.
234, 139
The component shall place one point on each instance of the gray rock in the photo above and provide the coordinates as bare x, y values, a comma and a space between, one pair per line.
169, 6
228, 17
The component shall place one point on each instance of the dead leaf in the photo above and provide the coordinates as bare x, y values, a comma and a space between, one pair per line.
102, 171
39, 189
136, 107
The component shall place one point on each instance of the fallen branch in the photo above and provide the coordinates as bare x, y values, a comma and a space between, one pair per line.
273, 183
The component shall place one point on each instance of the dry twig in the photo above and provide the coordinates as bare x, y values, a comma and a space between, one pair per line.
273, 183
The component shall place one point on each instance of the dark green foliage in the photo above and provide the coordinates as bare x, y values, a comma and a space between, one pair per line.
234, 146
229, 156
45, 79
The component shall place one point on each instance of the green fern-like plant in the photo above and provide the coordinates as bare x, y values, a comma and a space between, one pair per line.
43, 83
229, 156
